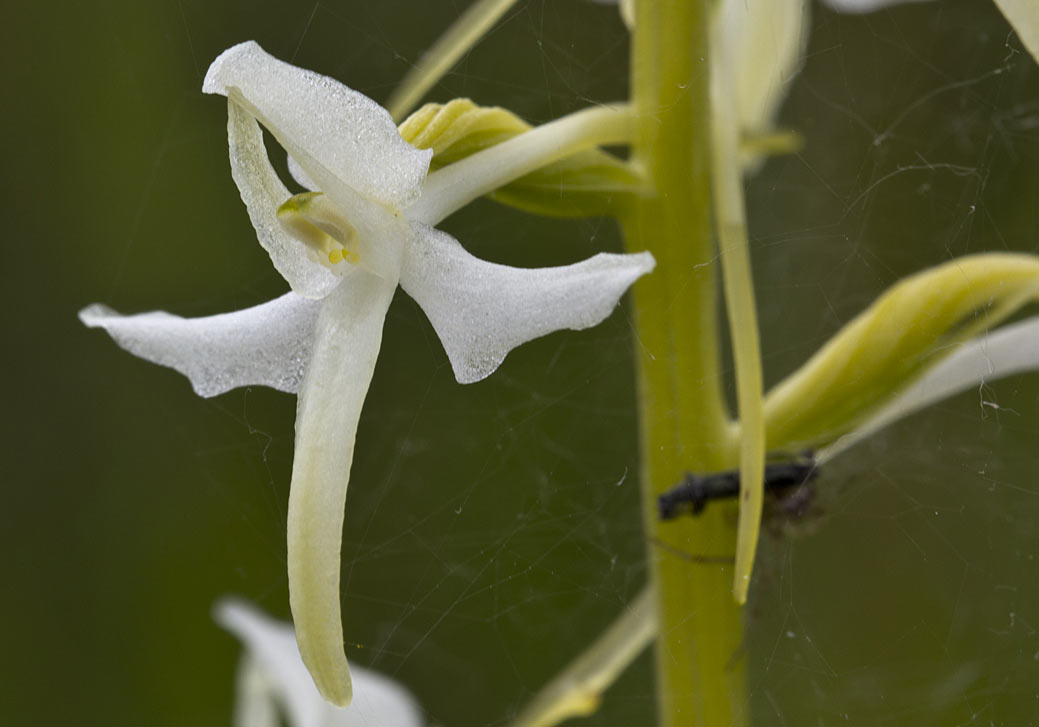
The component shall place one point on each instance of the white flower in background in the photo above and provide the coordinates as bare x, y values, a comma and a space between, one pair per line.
272, 680
344, 251
865, 6
757, 47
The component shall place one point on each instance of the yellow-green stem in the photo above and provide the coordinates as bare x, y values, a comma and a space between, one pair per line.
683, 420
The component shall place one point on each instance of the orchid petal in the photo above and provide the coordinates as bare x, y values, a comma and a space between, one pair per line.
263, 193
254, 702
317, 118
1009, 350
273, 671
481, 310
299, 174
345, 143
347, 337
266, 345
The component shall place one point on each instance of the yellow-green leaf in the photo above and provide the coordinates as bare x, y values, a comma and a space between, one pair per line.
591, 182
911, 327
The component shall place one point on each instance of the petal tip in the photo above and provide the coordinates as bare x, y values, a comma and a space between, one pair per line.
471, 372
340, 694
646, 262
94, 314
229, 612
215, 81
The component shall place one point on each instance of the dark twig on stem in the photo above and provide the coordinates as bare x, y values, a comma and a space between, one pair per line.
691, 495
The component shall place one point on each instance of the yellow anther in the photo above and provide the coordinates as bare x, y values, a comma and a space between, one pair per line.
342, 255
311, 219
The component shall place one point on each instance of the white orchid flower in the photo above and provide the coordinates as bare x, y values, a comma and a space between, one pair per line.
273, 680
344, 251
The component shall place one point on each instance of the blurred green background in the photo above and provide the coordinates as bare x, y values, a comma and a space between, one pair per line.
492, 529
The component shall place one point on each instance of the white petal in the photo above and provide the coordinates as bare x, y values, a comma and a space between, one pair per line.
255, 703
1023, 16
322, 123
263, 193
346, 343
1003, 352
757, 49
266, 345
864, 6
481, 310
300, 175
275, 670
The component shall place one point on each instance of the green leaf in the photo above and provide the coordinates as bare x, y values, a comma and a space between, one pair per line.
910, 328
588, 183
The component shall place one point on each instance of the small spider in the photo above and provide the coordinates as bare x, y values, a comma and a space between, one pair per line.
692, 494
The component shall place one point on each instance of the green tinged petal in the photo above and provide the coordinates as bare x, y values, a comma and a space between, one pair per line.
910, 328
591, 182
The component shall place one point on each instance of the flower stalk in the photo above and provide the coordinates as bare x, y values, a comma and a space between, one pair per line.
700, 679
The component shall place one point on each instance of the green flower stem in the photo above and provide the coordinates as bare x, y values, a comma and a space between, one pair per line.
683, 422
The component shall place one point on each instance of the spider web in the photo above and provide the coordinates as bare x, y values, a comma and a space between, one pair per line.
912, 602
